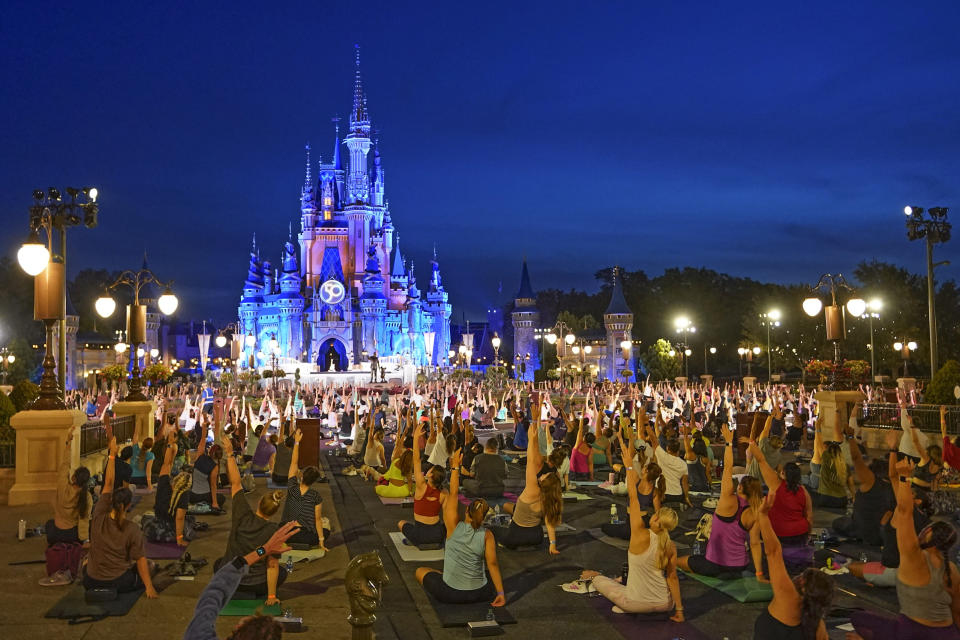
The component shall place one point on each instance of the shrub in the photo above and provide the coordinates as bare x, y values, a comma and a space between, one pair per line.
940, 389
23, 394
7, 409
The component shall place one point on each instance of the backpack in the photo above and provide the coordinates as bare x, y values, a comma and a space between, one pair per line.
161, 530
64, 555
704, 526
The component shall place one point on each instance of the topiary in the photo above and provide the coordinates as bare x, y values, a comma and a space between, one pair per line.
23, 394
940, 389
7, 409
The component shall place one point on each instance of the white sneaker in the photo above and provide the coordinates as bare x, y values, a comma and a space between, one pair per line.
59, 579
579, 586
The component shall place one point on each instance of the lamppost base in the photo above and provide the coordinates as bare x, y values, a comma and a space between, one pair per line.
51, 397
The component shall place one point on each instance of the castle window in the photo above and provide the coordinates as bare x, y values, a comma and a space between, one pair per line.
327, 215
328, 202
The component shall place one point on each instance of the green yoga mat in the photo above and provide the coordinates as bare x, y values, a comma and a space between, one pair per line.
249, 608
743, 589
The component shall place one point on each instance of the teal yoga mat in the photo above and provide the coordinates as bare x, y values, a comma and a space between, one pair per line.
743, 589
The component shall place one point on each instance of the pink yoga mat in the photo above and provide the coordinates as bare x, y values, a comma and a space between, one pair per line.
162, 550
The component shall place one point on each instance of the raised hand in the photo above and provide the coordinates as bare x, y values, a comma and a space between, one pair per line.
297, 436
112, 446
456, 458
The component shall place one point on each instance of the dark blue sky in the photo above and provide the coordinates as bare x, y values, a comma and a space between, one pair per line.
772, 140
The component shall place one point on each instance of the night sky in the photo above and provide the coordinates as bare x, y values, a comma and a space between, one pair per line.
771, 140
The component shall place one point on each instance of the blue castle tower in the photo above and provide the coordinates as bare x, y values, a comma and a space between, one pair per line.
351, 294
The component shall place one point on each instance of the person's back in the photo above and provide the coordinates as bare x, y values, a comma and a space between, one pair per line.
645, 580
490, 472
463, 556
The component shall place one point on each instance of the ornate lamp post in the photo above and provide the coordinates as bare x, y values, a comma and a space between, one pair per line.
495, 342
905, 348
770, 319
136, 319
748, 353
936, 230
50, 212
685, 327
833, 313
6, 359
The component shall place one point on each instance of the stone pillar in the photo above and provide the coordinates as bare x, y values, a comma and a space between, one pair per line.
707, 380
906, 385
143, 415
830, 402
40, 449
681, 381
749, 382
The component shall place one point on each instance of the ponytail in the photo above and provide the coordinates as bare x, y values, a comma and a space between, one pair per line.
119, 502
476, 512
668, 522
816, 597
145, 446
655, 476
942, 538
80, 479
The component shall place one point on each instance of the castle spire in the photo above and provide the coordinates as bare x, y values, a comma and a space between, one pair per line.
398, 271
618, 303
308, 182
307, 196
358, 116
337, 162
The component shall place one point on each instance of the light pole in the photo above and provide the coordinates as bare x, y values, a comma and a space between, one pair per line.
495, 342
936, 230
50, 213
581, 350
833, 313
684, 326
905, 348
871, 311
7, 359
625, 348
770, 319
706, 364
748, 353
136, 319
274, 346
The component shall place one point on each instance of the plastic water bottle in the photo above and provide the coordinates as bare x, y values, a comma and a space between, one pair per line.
863, 557
697, 548
289, 564
613, 513
490, 616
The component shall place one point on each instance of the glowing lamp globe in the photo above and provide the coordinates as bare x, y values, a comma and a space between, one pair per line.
140, 352
687, 352
11, 358
154, 353
856, 307
625, 344
120, 347
168, 302
898, 346
812, 306
552, 338
741, 350
221, 341
569, 338
672, 353
495, 342
33, 255
250, 340
756, 351
576, 350
912, 345
876, 304
713, 349
774, 314
908, 210
105, 306
587, 349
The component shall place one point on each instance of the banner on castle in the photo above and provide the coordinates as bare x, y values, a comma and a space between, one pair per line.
203, 342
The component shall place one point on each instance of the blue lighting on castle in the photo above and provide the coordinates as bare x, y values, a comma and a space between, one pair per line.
351, 293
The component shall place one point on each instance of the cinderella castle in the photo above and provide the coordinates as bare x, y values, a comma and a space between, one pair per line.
350, 293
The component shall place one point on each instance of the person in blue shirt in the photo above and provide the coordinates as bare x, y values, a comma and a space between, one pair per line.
206, 398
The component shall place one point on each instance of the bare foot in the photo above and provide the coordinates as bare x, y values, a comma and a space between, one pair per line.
587, 575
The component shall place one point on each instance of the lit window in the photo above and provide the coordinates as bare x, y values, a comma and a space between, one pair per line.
328, 202
327, 215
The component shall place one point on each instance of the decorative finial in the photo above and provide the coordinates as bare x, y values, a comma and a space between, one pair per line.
336, 125
290, 231
434, 251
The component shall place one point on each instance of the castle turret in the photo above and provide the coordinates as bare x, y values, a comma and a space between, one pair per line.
525, 318
373, 305
439, 308
252, 300
618, 321
290, 303
358, 142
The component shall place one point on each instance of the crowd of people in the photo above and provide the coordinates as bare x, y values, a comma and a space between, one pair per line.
738, 455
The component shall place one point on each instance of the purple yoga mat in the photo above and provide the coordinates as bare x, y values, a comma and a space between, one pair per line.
645, 625
162, 550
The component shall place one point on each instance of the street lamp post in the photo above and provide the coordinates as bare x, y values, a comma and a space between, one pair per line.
936, 230
685, 327
905, 348
706, 363
748, 353
50, 212
6, 359
833, 313
136, 319
274, 346
770, 319
495, 342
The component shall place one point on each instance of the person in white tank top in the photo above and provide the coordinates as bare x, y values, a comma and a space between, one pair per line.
652, 583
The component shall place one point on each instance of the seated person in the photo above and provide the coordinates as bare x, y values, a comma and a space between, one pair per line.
602, 455
281, 463
115, 559
769, 445
123, 472
873, 499
792, 512
488, 472
675, 471
540, 503
250, 529
304, 502
468, 546
206, 475
698, 463
173, 499
141, 465
581, 456
428, 500
828, 470
373, 456
652, 583
223, 586
71, 511
397, 481
734, 522
649, 490
798, 605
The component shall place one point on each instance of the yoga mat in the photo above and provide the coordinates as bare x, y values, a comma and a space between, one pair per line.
272, 485
743, 589
645, 625
407, 500
604, 538
561, 529
507, 497
579, 496
458, 615
162, 550
410, 553
243, 608
74, 607
305, 555
587, 483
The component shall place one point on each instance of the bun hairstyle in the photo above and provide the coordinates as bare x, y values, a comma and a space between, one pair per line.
935, 454
80, 479
119, 501
216, 452
476, 512
270, 502
274, 439
436, 476
589, 438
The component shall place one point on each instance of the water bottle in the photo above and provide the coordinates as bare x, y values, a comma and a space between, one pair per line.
490, 616
863, 557
697, 548
613, 513
289, 564
21, 529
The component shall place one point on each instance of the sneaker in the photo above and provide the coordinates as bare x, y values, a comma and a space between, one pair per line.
579, 586
349, 471
59, 579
